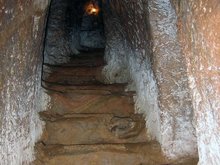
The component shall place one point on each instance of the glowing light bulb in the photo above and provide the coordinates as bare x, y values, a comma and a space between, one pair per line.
92, 9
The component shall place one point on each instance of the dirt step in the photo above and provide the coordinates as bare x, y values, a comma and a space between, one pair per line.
72, 75
89, 54
90, 88
93, 129
70, 80
68, 103
72, 71
103, 154
87, 60
83, 61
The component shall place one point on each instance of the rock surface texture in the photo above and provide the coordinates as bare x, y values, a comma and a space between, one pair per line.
199, 33
90, 122
22, 25
142, 48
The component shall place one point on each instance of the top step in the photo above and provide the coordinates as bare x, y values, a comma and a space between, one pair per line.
95, 89
85, 60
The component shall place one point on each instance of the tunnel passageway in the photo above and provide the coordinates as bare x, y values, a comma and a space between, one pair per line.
109, 82
90, 120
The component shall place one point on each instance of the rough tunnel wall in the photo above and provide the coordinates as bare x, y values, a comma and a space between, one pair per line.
21, 29
57, 44
153, 49
199, 24
127, 54
117, 69
169, 66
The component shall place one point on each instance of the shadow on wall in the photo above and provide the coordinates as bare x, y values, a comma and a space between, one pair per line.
70, 29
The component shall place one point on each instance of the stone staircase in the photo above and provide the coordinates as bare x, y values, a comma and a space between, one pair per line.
92, 123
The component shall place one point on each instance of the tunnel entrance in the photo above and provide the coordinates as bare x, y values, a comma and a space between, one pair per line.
74, 27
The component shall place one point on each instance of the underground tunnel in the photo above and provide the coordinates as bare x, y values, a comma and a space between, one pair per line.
110, 82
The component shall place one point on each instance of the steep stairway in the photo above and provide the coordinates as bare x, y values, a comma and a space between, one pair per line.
92, 123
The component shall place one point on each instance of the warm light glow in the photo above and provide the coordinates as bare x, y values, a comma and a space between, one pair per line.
92, 9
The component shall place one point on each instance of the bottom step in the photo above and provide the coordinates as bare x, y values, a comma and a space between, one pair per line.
108, 154
104, 154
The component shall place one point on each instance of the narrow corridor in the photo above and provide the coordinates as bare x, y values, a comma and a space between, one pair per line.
90, 120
